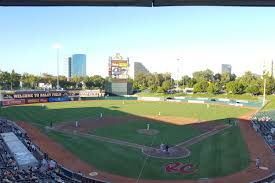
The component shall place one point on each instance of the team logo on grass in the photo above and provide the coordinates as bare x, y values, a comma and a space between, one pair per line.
179, 167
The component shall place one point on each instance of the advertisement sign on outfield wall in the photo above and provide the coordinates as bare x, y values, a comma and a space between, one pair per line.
37, 100
58, 99
13, 102
91, 93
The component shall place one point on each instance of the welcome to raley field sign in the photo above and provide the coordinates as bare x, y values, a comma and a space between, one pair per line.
38, 95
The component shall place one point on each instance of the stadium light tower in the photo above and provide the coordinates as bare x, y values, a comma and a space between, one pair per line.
57, 47
178, 72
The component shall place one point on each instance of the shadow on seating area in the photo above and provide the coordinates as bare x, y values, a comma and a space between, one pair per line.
47, 171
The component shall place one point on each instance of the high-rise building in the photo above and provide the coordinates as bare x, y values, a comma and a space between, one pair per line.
140, 68
226, 68
78, 65
268, 68
67, 67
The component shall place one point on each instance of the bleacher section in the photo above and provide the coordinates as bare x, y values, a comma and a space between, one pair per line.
264, 124
47, 171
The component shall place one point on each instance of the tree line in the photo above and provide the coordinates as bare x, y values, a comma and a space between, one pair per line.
207, 82
201, 81
13, 81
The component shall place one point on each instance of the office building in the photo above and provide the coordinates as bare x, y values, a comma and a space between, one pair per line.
140, 68
67, 67
78, 65
226, 68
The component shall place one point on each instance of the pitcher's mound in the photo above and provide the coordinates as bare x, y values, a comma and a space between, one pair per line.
148, 132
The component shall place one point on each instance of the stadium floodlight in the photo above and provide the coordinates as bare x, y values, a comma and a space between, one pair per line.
57, 47
178, 72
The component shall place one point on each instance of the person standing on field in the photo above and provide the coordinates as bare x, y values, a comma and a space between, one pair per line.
258, 162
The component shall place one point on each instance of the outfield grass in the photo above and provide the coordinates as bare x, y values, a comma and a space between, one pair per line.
68, 111
214, 156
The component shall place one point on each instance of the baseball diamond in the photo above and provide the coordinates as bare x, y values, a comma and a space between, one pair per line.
186, 142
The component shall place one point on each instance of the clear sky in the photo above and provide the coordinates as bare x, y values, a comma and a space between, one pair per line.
201, 37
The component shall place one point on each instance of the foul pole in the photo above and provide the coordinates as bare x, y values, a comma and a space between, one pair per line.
264, 92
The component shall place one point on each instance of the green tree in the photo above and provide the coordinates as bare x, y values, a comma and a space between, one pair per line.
217, 77
99, 81
14, 80
270, 84
29, 80
206, 75
235, 87
47, 78
166, 85
213, 88
200, 86
225, 78
141, 81
185, 80
247, 79
253, 89
4, 79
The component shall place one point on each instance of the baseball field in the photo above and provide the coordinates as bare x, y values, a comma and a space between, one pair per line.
124, 137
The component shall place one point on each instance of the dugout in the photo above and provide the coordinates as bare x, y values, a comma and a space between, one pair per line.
23, 157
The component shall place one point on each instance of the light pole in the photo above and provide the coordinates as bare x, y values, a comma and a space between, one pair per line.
57, 47
178, 70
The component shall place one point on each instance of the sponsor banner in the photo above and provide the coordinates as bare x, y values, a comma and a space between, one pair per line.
242, 101
180, 98
201, 98
13, 102
36, 100
43, 100
150, 99
91, 93
170, 100
196, 101
58, 99
235, 104
223, 99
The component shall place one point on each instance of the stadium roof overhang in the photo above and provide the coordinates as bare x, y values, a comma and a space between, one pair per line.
145, 3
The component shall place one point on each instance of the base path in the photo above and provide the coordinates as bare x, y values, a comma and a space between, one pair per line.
255, 144
203, 136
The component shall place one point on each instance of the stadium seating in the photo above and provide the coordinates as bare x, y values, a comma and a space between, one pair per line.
10, 173
263, 122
